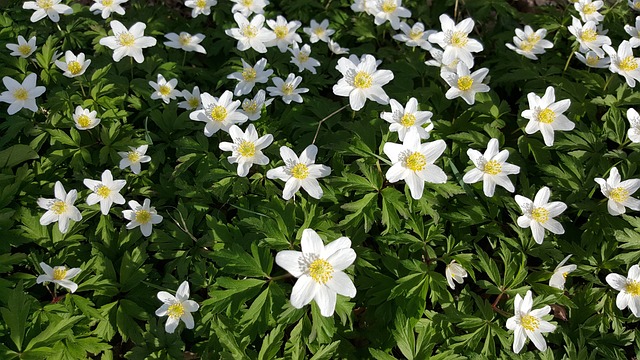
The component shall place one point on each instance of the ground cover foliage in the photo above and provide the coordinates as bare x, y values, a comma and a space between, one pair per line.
221, 232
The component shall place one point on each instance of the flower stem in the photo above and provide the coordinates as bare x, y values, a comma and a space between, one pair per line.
325, 119
276, 278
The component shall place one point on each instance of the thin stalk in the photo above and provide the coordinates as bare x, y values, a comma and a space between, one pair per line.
325, 119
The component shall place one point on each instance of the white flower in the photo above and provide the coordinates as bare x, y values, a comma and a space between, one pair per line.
403, 119
165, 90
539, 213
454, 39
624, 63
560, 273
545, 115
200, 6
127, 42
591, 59
319, 32
50, 8
21, 95
367, 6
413, 162
465, 84
106, 7
634, 32
302, 59
177, 308
588, 10
218, 113
285, 33
389, 10
248, 7
106, 191
60, 209
319, 269
336, 49
415, 36
491, 168
251, 34
249, 76
362, 81
588, 37
529, 43
437, 55
287, 88
629, 288
59, 275
144, 216
454, 271
185, 41
619, 192
134, 157
253, 107
300, 172
634, 125
634, 4
527, 323
23, 48
73, 65
246, 148
85, 119
191, 99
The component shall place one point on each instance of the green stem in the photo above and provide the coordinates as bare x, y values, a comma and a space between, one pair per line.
276, 278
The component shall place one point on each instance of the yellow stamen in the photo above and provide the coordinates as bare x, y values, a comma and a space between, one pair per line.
546, 116
592, 60
247, 149
107, 3
84, 121
300, 171
362, 80
459, 39
164, 90
303, 57
21, 94
619, 194
103, 191
408, 120
249, 31
45, 4
589, 35
389, 6
143, 216
126, 39
415, 35
175, 311
249, 74
281, 31
415, 161
247, 2
318, 31
59, 207
492, 167
287, 88
589, 9
74, 67
526, 46
219, 113
194, 102
632, 288
564, 274
465, 83
250, 106
321, 271
133, 156
24, 49
185, 39
59, 273
201, 3
530, 323
540, 215
628, 64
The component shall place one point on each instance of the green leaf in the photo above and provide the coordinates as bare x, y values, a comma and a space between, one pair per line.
15, 316
15, 155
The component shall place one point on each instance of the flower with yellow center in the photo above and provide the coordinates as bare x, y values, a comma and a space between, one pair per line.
185, 41
106, 191
454, 271
144, 216
21, 95
85, 119
629, 289
530, 43
413, 162
465, 84
44, 8
287, 89
163, 89
59, 275
251, 34
134, 157
362, 81
284, 33
634, 33
23, 48
300, 172
619, 192
588, 10
73, 65
389, 10
491, 168
588, 37
624, 63
539, 214
218, 113
560, 274
249, 76
200, 6
403, 119
60, 209
246, 148
527, 323
106, 7
253, 107
302, 58
414, 35
128, 42
320, 271
177, 308
454, 39
546, 115
319, 31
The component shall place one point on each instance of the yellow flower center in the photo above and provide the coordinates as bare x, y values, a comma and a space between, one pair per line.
24, 49
201, 3
415, 35
546, 116
84, 120
74, 67
303, 56
219, 113
619, 194
143, 216
247, 2
533, 38
362, 80
249, 31
318, 31
185, 39
59, 272
321, 271
593, 60
164, 90
415, 161
250, 106
628, 64
59, 207
492, 167
194, 102
565, 274
281, 31
21, 94
459, 39
126, 39
287, 88
175, 311
589, 9
247, 149
633, 288
589, 35
408, 120
107, 3
526, 46
103, 191
133, 156
300, 171
249, 74
465, 83
540, 215
637, 5
530, 323
45, 4
389, 6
